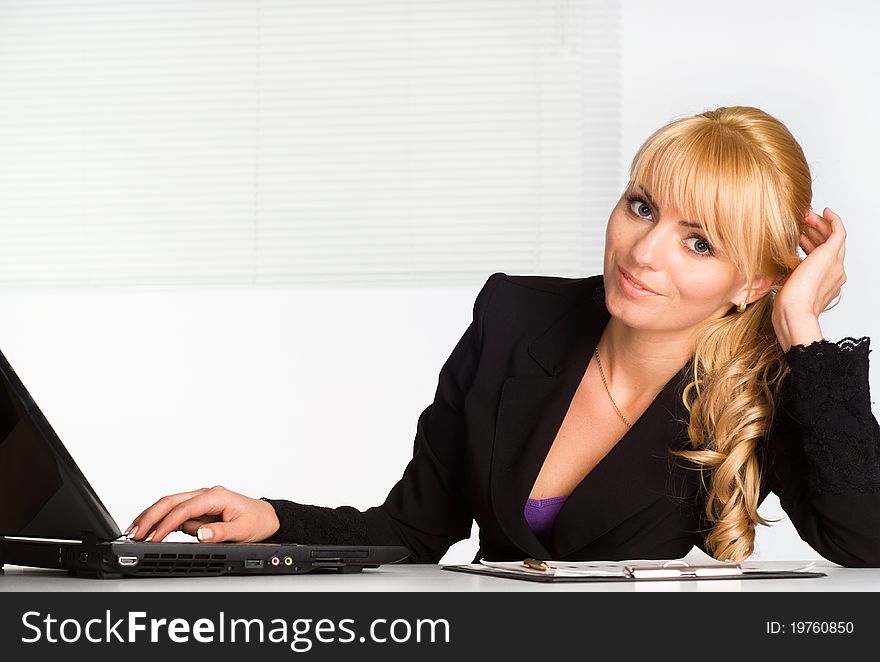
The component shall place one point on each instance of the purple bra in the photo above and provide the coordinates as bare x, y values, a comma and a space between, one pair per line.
540, 514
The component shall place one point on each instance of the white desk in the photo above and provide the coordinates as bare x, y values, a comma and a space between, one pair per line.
430, 578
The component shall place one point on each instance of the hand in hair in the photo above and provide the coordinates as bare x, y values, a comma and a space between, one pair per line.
814, 283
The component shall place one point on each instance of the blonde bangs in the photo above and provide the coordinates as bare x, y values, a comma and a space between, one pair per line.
715, 178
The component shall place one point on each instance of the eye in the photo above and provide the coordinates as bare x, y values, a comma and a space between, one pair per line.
700, 245
638, 206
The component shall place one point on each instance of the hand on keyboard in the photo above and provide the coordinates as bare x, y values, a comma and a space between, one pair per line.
213, 514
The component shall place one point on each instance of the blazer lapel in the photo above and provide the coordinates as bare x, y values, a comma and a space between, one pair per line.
532, 408
635, 473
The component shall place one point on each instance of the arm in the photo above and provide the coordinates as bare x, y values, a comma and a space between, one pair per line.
823, 453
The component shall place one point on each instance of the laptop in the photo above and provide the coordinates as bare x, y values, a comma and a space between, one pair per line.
50, 517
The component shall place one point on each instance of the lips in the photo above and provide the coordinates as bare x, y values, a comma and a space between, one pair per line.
636, 281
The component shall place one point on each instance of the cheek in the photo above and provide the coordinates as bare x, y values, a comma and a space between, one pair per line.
615, 235
703, 288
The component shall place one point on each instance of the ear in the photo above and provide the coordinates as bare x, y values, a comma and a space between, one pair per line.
760, 286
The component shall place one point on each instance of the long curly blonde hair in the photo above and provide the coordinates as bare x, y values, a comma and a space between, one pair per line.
742, 173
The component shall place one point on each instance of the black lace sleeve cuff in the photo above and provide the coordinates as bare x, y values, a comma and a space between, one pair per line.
827, 376
830, 398
317, 525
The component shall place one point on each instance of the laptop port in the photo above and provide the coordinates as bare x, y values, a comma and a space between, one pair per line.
253, 563
128, 561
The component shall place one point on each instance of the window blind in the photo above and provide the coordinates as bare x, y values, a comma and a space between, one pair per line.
305, 141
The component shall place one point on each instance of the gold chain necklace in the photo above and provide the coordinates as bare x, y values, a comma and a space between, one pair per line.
608, 391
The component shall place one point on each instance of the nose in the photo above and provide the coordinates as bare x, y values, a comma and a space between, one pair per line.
650, 248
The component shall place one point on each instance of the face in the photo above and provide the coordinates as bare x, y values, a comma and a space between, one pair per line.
691, 280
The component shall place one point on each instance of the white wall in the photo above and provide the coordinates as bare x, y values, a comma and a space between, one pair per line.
273, 392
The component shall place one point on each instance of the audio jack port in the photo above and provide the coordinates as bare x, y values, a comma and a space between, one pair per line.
275, 561
288, 561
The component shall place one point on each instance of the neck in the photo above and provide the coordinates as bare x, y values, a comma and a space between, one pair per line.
638, 361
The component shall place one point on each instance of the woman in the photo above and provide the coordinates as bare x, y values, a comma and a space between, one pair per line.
638, 413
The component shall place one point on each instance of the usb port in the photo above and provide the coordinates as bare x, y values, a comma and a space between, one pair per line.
253, 563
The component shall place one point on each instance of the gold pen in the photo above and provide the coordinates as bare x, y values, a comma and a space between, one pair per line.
535, 564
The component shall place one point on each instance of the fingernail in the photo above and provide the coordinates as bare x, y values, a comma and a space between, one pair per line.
150, 537
204, 534
125, 533
132, 532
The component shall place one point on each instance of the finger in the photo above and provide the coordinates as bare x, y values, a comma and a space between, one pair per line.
136, 528
141, 524
837, 229
214, 529
815, 235
146, 520
212, 502
132, 528
192, 526
807, 244
817, 224
838, 233
137, 520
234, 530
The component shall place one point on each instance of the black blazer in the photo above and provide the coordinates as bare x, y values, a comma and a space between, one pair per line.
501, 397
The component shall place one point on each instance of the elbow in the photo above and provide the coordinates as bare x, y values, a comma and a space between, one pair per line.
865, 555
872, 561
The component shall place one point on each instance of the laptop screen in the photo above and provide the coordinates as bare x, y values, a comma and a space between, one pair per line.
43, 494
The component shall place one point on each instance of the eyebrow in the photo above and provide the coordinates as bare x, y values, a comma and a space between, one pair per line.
689, 224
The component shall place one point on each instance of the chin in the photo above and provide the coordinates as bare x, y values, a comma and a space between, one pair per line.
618, 306
630, 313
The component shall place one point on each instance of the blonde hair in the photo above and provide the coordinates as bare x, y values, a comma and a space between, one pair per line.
744, 176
